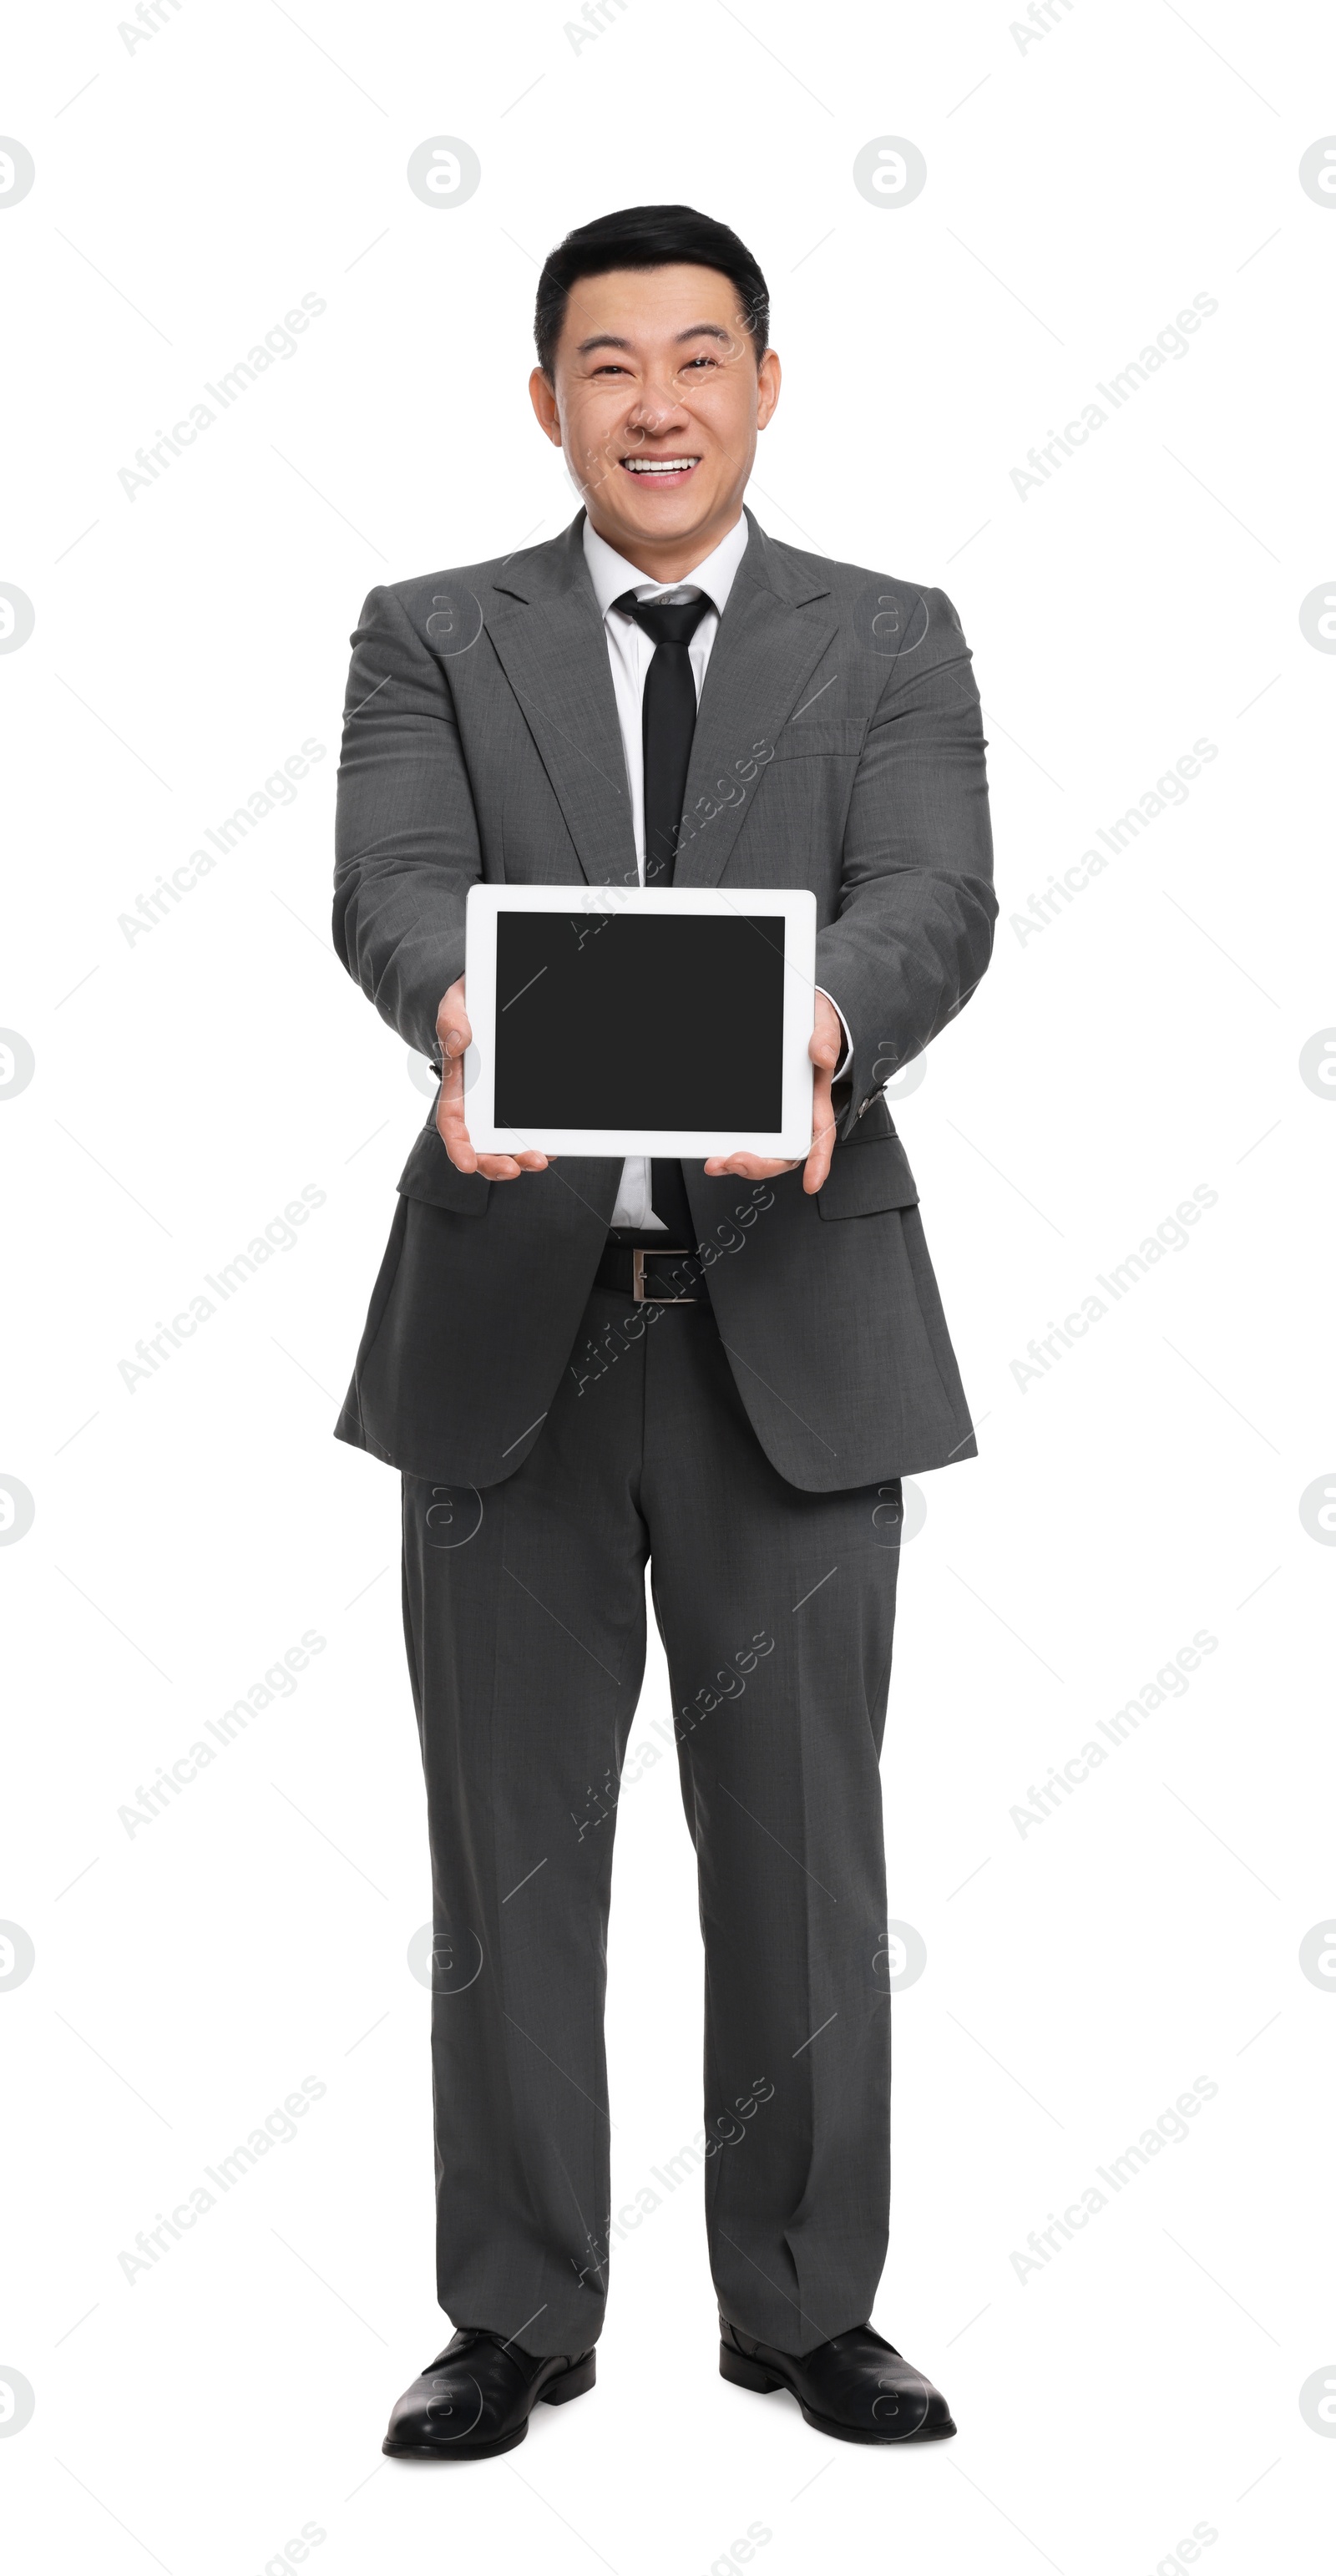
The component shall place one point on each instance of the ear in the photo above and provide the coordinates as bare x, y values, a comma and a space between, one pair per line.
543, 396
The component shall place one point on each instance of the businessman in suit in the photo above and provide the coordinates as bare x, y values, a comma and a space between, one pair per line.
722, 1369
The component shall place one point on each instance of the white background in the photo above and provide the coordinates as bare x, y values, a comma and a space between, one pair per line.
1081, 191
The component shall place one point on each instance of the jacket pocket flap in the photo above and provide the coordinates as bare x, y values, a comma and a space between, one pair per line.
866, 1177
429, 1174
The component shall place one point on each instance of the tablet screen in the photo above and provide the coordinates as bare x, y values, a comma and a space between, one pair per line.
612, 1019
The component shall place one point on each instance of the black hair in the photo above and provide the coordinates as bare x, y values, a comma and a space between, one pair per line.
647, 237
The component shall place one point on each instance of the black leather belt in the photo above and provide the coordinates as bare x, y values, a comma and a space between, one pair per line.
652, 1275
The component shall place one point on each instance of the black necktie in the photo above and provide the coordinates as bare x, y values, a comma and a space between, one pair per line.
668, 721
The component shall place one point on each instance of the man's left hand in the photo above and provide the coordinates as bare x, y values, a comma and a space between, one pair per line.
825, 1051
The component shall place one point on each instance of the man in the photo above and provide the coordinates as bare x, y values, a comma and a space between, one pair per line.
722, 1368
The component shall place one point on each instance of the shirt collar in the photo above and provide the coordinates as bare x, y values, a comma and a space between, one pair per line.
611, 574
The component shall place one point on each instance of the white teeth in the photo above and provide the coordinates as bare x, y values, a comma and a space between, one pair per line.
658, 465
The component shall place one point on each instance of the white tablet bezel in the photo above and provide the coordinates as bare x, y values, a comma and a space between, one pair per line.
798, 908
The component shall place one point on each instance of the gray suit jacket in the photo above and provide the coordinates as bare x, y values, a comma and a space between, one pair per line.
838, 746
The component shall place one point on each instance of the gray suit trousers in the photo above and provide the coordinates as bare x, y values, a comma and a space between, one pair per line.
525, 1621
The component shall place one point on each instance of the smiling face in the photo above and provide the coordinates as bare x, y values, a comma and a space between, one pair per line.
656, 403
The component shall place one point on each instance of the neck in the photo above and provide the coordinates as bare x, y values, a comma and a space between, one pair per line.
671, 558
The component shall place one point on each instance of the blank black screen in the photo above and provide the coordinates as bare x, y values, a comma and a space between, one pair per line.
608, 1019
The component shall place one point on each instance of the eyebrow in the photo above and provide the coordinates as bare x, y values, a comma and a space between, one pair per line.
695, 331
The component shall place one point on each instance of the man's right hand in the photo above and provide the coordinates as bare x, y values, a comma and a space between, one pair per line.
454, 1034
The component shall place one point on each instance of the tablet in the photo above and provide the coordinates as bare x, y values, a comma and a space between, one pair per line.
640, 1019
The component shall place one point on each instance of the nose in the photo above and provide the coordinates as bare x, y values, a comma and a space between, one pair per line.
658, 409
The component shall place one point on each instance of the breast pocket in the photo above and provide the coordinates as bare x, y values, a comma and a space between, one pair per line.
799, 816
828, 736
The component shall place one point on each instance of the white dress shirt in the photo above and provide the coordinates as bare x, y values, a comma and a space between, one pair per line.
630, 652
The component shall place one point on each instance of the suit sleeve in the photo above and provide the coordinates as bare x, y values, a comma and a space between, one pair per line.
406, 834
914, 930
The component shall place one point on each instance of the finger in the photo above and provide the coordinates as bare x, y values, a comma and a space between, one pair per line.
746, 1167
497, 1167
451, 1126
453, 1026
827, 1040
817, 1165
458, 1147
450, 1121
526, 1158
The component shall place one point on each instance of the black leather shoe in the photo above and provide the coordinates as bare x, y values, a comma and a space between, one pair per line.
856, 2387
476, 2397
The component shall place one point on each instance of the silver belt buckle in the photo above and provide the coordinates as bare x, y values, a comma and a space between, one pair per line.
639, 1293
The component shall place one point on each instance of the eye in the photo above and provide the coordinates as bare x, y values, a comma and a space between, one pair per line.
700, 362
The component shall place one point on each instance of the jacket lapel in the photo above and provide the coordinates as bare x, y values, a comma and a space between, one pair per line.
544, 623
773, 632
